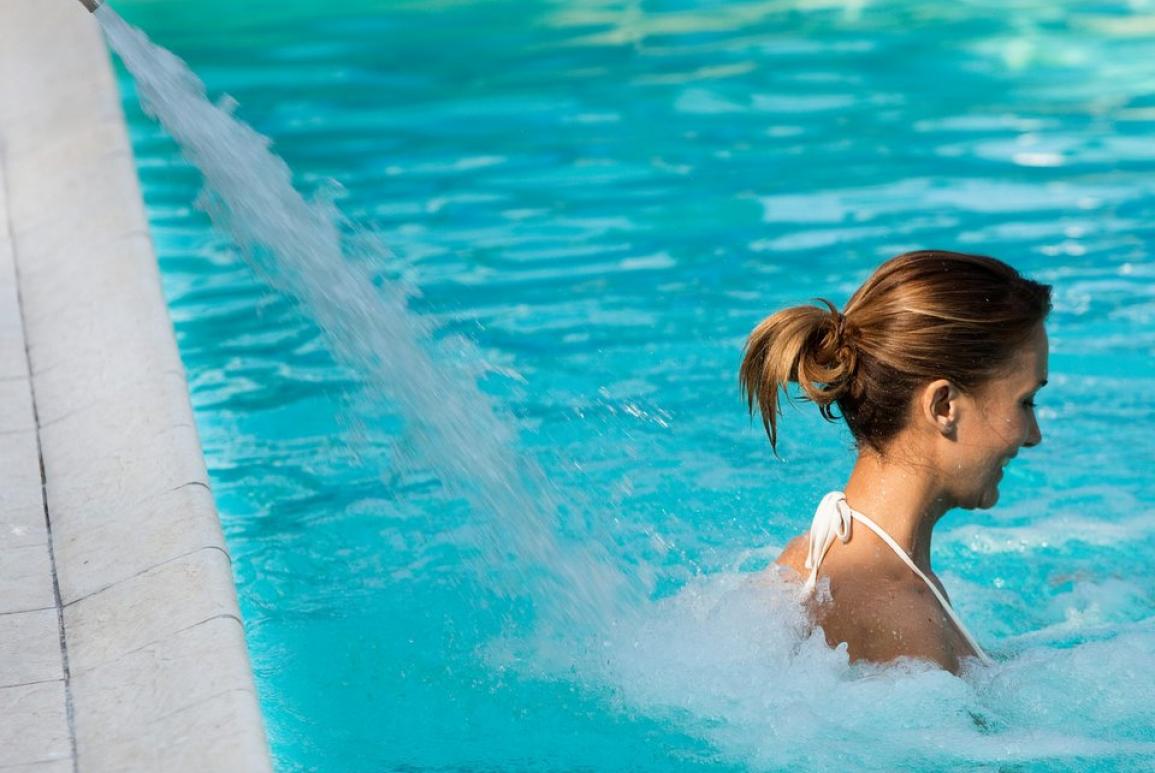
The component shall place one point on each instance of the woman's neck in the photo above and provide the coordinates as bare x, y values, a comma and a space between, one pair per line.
902, 497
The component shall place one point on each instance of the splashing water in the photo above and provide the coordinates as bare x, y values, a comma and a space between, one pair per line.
729, 657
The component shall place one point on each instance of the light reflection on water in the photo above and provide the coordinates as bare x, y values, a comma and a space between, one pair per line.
605, 197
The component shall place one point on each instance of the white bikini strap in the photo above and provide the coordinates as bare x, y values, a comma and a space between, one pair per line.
833, 518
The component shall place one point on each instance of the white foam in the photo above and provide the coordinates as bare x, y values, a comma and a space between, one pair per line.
733, 660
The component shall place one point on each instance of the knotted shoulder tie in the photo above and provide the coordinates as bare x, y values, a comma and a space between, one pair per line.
833, 520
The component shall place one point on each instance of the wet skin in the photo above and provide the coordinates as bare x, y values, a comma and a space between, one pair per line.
951, 453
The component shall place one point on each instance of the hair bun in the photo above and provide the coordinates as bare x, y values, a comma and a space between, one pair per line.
833, 358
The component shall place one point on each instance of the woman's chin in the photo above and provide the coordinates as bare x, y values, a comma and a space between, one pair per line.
988, 498
981, 500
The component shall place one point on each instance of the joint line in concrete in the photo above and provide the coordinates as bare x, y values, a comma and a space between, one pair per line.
70, 712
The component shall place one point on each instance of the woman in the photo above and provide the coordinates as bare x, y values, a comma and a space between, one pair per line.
934, 365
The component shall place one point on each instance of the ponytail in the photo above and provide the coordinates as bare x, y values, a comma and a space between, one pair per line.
807, 345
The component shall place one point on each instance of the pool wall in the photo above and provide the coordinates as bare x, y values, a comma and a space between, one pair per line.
121, 644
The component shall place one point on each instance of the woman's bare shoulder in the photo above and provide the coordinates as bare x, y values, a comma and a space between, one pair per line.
902, 621
793, 555
878, 618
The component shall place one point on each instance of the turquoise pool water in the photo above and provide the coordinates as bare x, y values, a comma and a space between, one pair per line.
604, 198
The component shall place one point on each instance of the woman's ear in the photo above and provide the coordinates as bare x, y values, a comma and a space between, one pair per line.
939, 406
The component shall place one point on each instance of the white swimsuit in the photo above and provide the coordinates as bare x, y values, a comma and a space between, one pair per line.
833, 519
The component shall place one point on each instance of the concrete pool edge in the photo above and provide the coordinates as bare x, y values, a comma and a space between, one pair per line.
138, 658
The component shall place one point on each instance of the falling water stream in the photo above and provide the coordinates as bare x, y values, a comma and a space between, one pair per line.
299, 247
726, 658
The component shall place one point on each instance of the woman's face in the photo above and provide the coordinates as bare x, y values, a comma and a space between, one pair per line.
995, 422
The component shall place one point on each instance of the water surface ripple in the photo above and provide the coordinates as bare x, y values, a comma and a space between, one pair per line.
604, 197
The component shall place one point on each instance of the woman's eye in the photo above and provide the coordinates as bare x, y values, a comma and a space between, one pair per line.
1029, 403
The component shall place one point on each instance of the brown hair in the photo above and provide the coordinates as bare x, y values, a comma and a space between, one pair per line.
922, 315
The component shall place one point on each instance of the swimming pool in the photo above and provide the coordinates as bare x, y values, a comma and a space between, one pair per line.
604, 198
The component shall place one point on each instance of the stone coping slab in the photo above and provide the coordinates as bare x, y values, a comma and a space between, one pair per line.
121, 644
